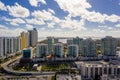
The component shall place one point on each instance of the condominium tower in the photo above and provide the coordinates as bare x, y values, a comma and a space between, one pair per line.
88, 48
109, 46
58, 50
73, 50
33, 37
42, 50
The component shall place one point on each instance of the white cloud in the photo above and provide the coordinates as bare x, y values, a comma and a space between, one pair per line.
18, 11
98, 30
42, 29
29, 26
3, 27
14, 24
73, 24
63, 23
51, 25
113, 18
35, 21
35, 2
80, 8
52, 11
110, 28
103, 26
74, 5
118, 25
94, 16
2, 6
15, 21
45, 15
11, 32
106, 27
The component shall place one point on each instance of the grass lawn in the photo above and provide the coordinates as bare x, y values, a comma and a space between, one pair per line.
56, 67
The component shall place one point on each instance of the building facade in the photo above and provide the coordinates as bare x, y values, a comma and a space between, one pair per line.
73, 50
88, 48
93, 69
78, 41
109, 46
42, 50
51, 41
33, 37
24, 40
1, 47
27, 53
9, 45
58, 50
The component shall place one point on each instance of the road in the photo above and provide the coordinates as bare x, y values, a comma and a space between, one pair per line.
40, 77
11, 71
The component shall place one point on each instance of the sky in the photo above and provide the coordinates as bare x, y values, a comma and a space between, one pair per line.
61, 18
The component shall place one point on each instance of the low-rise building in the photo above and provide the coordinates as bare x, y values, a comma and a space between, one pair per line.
92, 69
27, 53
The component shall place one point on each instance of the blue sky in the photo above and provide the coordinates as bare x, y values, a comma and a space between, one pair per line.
93, 18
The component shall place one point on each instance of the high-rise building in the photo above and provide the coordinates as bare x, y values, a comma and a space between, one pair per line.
109, 46
42, 50
73, 50
69, 41
33, 37
58, 50
78, 41
50, 42
18, 43
1, 47
88, 48
24, 40
9, 45
27, 53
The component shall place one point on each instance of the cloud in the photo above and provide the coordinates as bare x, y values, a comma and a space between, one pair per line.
52, 11
110, 28
15, 21
14, 24
118, 25
35, 2
79, 8
113, 18
11, 32
73, 24
2, 6
102, 26
51, 20
98, 30
51, 25
35, 21
3, 27
29, 26
45, 15
18, 11
106, 27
